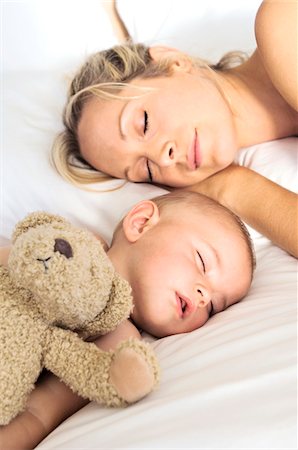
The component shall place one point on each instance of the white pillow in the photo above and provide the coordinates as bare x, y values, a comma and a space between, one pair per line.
52, 39
202, 28
52, 34
32, 116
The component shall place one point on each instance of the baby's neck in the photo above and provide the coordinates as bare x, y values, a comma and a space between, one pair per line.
117, 257
4, 254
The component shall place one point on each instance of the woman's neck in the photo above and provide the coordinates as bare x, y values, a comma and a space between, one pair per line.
261, 114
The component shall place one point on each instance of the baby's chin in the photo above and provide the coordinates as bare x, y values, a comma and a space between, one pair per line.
148, 327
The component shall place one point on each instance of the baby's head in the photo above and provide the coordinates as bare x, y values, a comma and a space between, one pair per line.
186, 258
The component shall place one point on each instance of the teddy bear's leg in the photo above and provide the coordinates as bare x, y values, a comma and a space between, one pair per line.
134, 370
87, 369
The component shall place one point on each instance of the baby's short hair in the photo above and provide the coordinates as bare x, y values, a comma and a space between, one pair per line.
200, 201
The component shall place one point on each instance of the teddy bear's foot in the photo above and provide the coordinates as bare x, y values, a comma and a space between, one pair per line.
134, 370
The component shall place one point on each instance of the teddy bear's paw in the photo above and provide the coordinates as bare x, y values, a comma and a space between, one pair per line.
134, 371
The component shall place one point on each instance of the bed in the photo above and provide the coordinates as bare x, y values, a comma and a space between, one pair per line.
230, 384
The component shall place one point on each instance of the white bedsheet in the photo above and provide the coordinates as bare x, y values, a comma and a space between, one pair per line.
230, 384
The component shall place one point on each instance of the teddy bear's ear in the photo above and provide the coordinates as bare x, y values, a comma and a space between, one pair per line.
35, 219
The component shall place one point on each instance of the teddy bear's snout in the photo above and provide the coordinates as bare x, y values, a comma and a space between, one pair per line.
45, 262
63, 247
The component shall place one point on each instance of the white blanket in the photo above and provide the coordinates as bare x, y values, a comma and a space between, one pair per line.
230, 384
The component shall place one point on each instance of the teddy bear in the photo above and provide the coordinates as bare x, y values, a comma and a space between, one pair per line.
58, 289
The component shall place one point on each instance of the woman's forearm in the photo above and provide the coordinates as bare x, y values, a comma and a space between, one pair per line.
264, 205
269, 208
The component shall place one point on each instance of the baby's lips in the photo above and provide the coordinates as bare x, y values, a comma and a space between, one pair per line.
188, 308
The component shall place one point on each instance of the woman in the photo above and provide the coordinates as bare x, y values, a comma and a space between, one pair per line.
157, 115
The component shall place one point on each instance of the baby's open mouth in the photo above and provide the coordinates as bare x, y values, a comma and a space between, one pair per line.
184, 305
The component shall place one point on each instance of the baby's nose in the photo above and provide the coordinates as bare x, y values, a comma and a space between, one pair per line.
203, 295
63, 247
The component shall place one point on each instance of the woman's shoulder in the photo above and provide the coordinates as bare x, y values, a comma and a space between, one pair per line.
276, 36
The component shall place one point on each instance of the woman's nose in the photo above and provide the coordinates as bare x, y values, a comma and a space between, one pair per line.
165, 156
203, 295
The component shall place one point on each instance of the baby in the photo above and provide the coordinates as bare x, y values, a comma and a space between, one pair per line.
186, 258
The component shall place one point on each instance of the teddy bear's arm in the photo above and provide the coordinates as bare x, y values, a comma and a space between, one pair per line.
118, 308
88, 371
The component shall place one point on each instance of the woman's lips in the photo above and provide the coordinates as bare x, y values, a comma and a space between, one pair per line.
184, 305
194, 154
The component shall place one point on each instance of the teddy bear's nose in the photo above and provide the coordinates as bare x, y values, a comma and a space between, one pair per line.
63, 247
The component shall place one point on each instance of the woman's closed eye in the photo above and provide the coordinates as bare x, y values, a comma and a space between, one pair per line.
146, 127
150, 178
146, 122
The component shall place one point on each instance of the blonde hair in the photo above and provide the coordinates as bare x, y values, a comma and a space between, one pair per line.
206, 204
105, 74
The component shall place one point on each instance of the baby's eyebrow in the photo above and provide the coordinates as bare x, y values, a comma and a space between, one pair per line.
223, 305
126, 170
211, 312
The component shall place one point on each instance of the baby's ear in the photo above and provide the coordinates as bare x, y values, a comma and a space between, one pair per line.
141, 218
34, 220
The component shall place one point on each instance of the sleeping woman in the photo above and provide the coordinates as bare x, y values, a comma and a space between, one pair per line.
158, 115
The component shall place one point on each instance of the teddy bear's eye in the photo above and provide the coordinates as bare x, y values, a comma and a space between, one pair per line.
63, 247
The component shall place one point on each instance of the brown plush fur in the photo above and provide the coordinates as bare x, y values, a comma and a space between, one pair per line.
59, 281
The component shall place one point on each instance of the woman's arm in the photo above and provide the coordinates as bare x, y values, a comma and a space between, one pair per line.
120, 29
52, 401
267, 207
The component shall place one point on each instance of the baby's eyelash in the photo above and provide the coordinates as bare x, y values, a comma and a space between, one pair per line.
146, 122
202, 261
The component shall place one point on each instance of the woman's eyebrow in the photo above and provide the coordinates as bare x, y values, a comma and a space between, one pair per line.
220, 306
122, 133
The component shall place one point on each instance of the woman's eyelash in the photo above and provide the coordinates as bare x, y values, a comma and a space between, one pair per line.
202, 261
149, 172
146, 122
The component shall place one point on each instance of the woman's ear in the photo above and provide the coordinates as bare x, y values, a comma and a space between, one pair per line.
180, 61
141, 218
